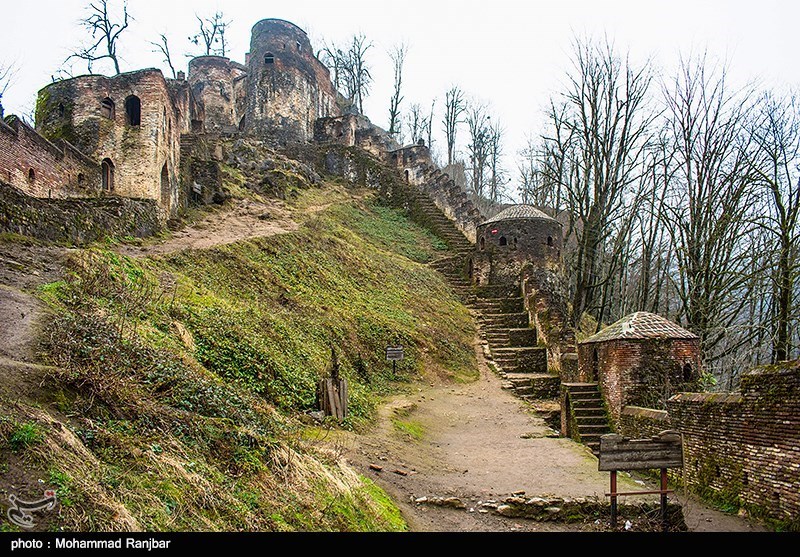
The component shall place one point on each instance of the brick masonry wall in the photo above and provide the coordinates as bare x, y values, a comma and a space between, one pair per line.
59, 170
743, 447
215, 82
285, 97
71, 110
545, 300
76, 221
638, 423
526, 241
746, 445
643, 372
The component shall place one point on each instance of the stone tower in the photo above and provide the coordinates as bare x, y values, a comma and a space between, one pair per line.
518, 236
287, 87
219, 84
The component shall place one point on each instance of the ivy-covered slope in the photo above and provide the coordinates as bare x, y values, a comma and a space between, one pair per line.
181, 384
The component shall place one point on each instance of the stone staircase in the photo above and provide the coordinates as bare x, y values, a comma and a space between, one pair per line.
505, 325
588, 413
502, 319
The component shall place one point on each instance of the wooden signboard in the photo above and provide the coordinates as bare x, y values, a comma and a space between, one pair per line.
394, 353
664, 450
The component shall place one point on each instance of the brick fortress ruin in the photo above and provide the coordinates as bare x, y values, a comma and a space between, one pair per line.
128, 135
127, 152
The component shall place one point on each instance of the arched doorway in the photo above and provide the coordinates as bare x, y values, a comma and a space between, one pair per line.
107, 173
165, 189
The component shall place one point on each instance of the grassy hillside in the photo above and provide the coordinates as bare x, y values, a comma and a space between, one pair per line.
181, 383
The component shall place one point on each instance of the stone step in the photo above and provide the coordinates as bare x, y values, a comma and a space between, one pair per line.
591, 438
522, 369
587, 395
505, 321
499, 291
525, 336
507, 305
575, 387
589, 412
586, 403
591, 420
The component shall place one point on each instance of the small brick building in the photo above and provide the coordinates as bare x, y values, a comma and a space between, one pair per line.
641, 360
515, 237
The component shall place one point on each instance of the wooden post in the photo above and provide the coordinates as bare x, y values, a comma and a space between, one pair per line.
613, 498
664, 523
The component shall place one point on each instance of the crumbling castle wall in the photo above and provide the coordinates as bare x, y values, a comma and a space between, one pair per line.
746, 445
76, 221
287, 87
742, 447
220, 86
129, 123
41, 168
639, 372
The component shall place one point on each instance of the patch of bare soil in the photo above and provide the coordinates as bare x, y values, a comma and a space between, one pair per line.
246, 219
478, 443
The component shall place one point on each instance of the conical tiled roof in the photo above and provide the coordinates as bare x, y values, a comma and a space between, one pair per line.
519, 212
641, 325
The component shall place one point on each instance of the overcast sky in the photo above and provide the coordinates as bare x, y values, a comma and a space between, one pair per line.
509, 53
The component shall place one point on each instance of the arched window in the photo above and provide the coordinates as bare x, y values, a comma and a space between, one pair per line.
483, 243
107, 108
165, 189
81, 179
550, 241
687, 372
503, 241
31, 176
107, 172
407, 175
61, 109
269, 58
133, 111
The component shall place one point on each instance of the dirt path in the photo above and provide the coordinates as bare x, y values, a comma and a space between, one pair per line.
246, 219
479, 443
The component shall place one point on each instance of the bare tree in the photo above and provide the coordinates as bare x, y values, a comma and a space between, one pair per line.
415, 122
775, 166
429, 125
398, 56
596, 142
454, 108
355, 71
479, 145
105, 31
163, 47
211, 33
497, 174
333, 57
707, 207
7, 74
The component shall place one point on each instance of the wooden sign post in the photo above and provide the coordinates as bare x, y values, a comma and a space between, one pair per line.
663, 451
394, 354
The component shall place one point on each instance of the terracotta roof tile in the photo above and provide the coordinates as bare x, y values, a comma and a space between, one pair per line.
641, 325
519, 212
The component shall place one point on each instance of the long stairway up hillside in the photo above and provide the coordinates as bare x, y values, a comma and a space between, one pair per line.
505, 325
503, 320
